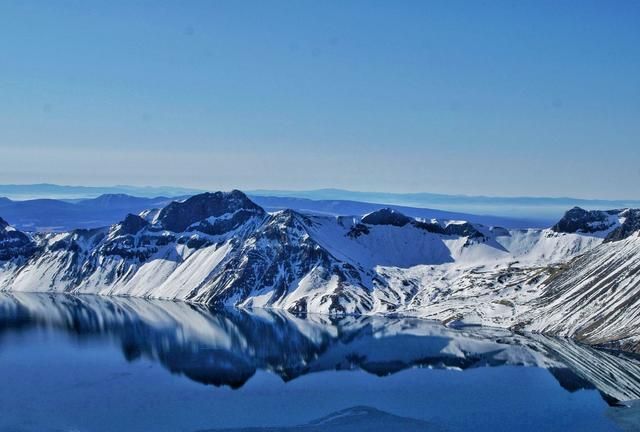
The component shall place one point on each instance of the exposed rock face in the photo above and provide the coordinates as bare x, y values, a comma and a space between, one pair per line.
630, 226
275, 258
390, 217
178, 216
386, 216
430, 227
13, 243
578, 220
463, 230
131, 224
136, 240
357, 230
620, 223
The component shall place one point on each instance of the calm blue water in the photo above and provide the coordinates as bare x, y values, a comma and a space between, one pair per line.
92, 364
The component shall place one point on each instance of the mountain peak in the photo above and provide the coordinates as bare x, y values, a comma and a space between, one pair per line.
585, 221
179, 215
386, 216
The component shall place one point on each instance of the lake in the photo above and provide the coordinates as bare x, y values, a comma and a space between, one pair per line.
88, 363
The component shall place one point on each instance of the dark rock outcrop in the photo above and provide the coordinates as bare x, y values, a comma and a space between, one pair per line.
386, 216
178, 216
578, 220
430, 227
630, 226
463, 230
224, 225
132, 224
277, 256
14, 243
357, 230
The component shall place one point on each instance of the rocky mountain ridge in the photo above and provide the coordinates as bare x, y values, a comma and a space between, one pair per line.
222, 249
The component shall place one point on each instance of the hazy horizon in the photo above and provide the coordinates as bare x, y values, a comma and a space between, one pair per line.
42, 187
538, 211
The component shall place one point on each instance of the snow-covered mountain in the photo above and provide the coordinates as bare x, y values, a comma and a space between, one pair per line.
577, 278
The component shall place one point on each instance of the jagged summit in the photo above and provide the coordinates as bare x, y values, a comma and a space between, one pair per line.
3, 223
131, 224
386, 216
586, 221
180, 215
613, 225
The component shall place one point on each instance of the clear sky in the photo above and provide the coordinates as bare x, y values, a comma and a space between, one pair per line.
471, 97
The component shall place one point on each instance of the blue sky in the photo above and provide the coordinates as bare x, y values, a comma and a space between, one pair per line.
470, 97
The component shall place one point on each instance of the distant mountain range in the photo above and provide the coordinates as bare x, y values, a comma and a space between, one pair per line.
544, 210
578, 278
65, 215
62, 215
65, 192
531, 208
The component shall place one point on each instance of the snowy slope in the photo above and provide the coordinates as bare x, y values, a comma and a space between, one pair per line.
595, 297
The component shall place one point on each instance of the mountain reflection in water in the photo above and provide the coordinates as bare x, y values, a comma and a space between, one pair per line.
228, 347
